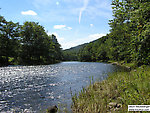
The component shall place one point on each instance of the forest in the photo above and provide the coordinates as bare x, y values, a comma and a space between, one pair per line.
129, 37
128, 40
27, 44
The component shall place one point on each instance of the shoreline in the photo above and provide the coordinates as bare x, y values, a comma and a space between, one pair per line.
116, 92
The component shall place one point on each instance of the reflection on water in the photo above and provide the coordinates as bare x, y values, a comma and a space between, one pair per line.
34, 88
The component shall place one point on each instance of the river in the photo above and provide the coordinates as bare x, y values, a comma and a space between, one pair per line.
34, 88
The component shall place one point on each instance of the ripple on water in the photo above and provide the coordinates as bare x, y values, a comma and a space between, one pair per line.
31, 88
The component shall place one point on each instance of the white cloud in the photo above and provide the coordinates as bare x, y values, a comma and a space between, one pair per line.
29, 12
63, 27
76, 42
59, 26
83, 9
68, 45
90, 38
95, 36
69, 28
57, 3
91, 25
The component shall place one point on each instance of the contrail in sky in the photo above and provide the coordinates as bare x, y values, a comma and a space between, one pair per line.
83, 9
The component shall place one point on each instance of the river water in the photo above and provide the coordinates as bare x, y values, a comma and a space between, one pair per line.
35, 88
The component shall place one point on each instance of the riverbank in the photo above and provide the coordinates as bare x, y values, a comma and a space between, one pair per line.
116, 92
130, 66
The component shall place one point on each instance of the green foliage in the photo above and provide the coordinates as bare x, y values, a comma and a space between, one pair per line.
129, 37
27, 44
72, 54
122, 88
9, 35
97, 50
130, 30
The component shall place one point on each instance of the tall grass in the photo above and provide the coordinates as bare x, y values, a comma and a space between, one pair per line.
122, 88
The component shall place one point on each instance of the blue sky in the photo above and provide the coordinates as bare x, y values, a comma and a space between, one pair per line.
74, 22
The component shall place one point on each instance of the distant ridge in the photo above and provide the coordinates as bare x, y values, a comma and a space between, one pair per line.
72, 53
78, 47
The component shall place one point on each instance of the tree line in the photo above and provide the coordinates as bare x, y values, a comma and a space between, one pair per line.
27, 44
72, 53
129, 37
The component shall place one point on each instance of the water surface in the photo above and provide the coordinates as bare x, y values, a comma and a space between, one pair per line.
34, 88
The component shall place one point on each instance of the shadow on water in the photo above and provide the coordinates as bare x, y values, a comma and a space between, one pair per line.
35, 88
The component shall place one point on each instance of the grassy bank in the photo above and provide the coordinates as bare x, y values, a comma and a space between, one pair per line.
115, 93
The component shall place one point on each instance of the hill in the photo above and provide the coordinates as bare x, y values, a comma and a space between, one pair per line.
72, 53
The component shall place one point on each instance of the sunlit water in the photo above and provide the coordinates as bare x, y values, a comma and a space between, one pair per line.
34, 88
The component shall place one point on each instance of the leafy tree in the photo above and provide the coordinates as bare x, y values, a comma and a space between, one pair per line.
141, 34
32, 40
130, 30
9, 36
129, 37
27, 44
37, 47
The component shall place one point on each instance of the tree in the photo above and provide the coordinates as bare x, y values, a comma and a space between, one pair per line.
27, 44
37, 47
141, 33
9, 34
